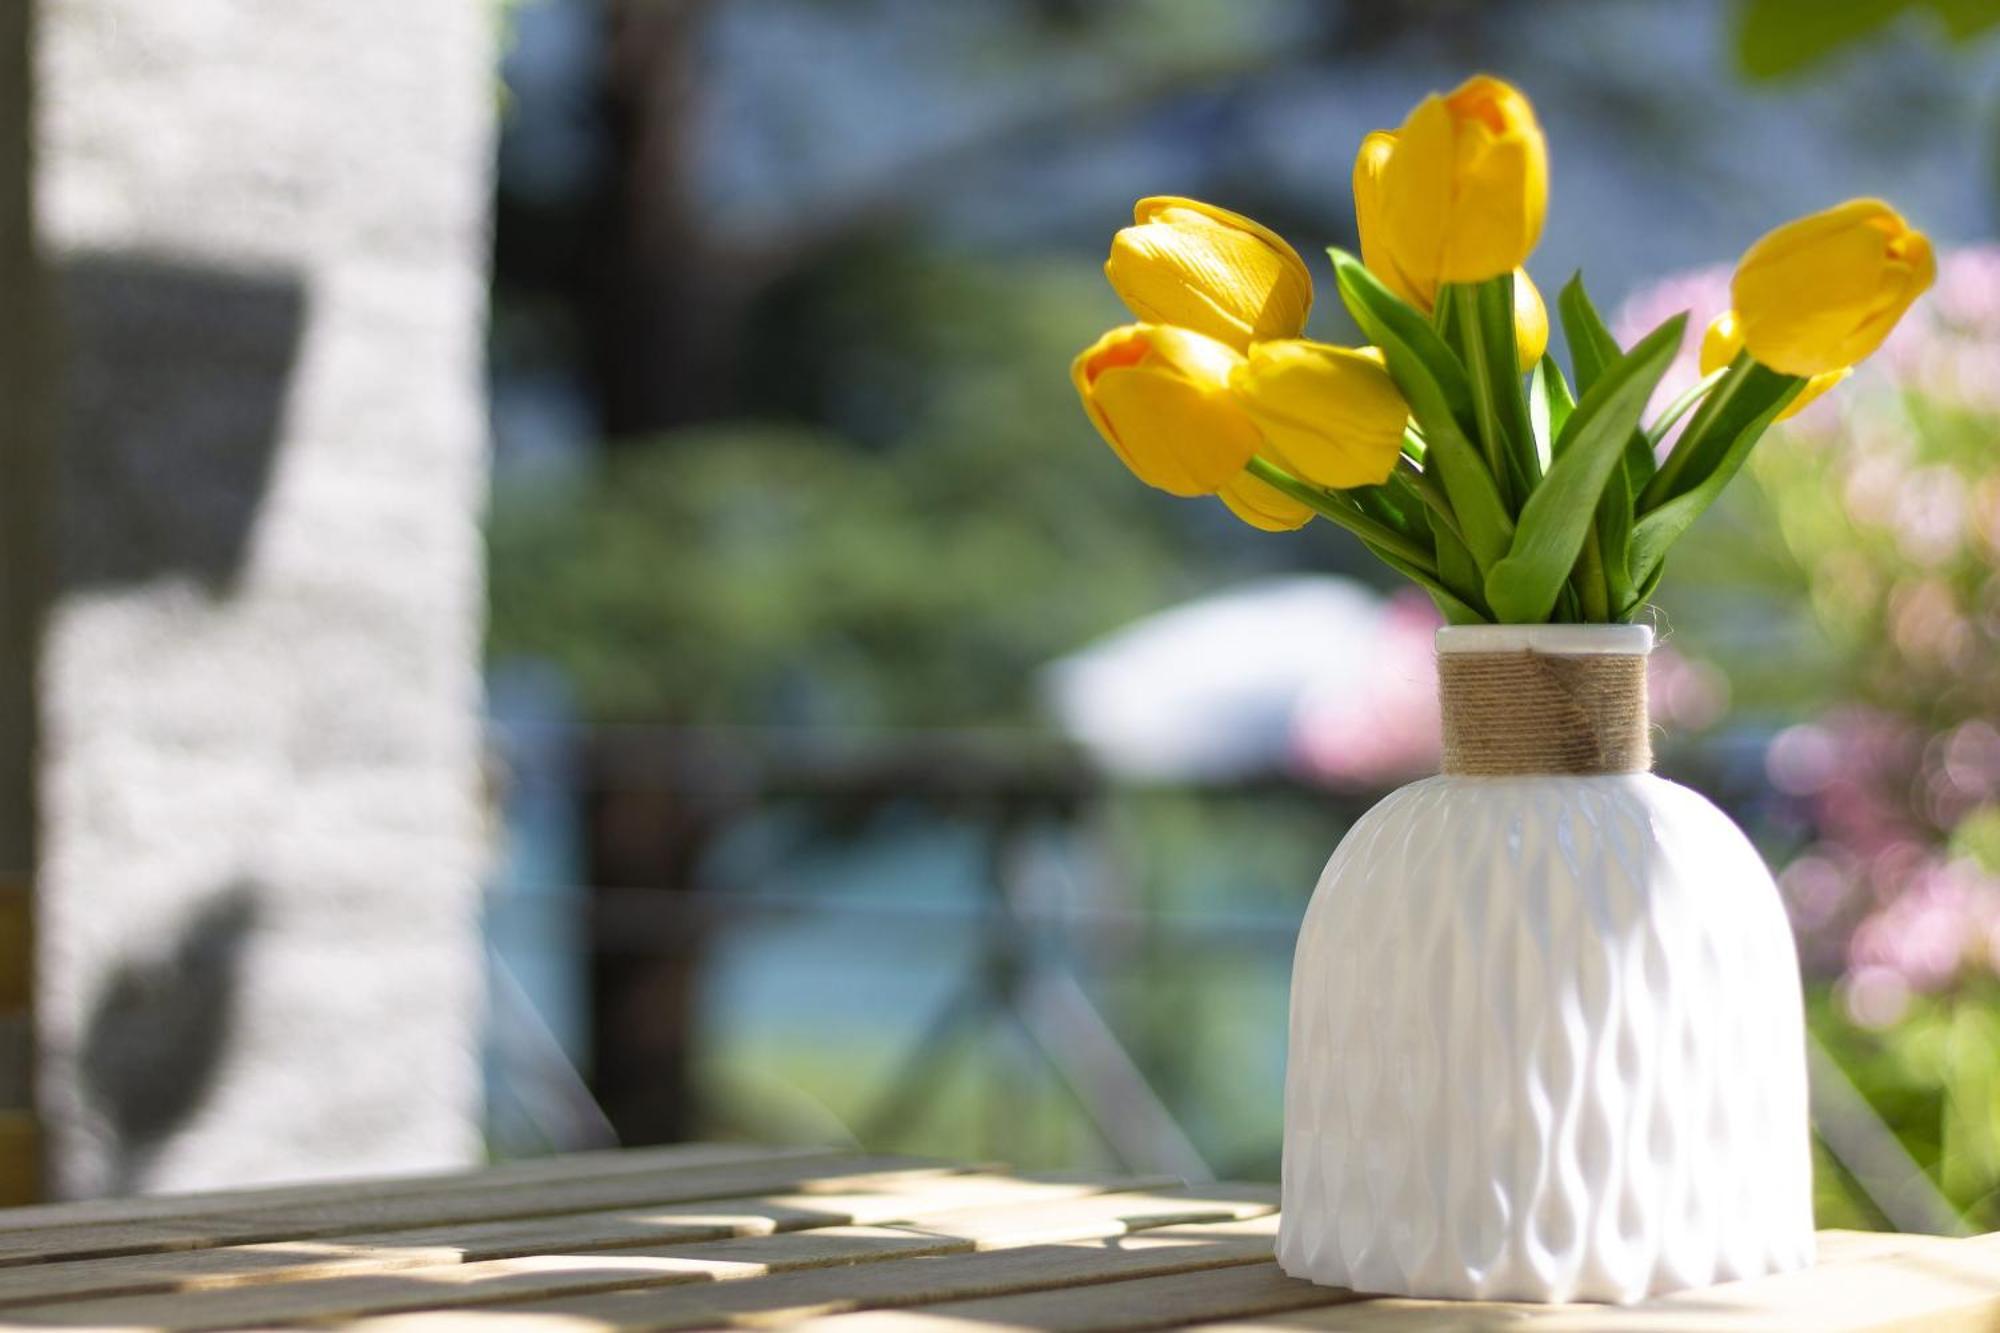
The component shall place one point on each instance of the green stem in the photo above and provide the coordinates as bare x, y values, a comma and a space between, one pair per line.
1679, 407
1592, 592
1393, 507
1662, 487
1332, 506
1465, 304
1430, 492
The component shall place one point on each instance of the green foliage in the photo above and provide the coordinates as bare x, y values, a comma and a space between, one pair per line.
1440, 398
1715, 445
1591, 346
1935, 1076
1547, 506
1523, 587
1779, 38
1853, 588
910, 568
773, 574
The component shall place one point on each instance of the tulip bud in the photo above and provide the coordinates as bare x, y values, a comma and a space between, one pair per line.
1724, 339
1330, 415
1160, 396
1457, 194
1531, 321
1822, 292
1420, 289
1207, 269
1262, 505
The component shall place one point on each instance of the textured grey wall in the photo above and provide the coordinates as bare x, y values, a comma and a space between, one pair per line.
258, 946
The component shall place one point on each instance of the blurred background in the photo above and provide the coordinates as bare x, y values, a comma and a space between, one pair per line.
857, 753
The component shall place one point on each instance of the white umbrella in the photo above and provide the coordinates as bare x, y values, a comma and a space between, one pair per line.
1243, 682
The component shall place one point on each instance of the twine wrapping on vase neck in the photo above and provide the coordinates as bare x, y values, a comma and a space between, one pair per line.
1522, 712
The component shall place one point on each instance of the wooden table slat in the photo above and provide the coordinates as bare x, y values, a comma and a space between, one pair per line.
574, 1166
709, 1236
374, 1212
786, 1297
960, 1199
1170, 1301
544, 1276
1934, 1284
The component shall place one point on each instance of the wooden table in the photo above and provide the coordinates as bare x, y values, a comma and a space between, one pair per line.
703, 1236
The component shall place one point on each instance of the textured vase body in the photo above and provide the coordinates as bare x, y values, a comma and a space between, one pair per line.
1546, 1045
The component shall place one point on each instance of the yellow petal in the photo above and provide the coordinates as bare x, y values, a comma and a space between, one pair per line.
1723, 339
1372, 226
1824, 291
1459, 193
1417, 189
1330, 415
1531, 321
1160, 397
1501, 185
1815, 387
1263, 505
1720, 342
1208, 269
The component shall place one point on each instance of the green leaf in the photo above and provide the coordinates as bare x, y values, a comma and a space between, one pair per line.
1661, 526
1523, 587
1640, 462
1433, 381
1586, 578
1568, 610
1486, 335
1549, 406
1449, 606
1742, 394
1647, 587
1443, 394
1386, 505
1614, 539
1344, 509
1592, 349
1405, 555
1444, 318
1459, 572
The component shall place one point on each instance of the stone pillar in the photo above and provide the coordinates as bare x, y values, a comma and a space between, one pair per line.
24, 441
259, 952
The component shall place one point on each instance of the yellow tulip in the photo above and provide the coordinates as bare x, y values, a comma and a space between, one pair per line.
1531, 321
1160, 396
1457, 194
1724, 339
1263, 505
1330, 415
1420, 288
1822, 292
1207, 269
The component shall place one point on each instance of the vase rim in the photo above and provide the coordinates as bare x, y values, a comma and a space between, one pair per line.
1556, 640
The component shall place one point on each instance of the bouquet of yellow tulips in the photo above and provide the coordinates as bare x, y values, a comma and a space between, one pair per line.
1454, 447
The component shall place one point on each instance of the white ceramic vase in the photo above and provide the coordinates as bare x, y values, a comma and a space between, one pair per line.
1546, 1041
